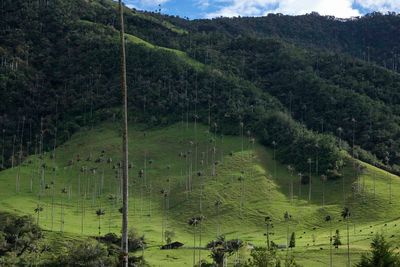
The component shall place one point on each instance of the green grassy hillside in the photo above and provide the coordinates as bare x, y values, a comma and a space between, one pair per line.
84, 177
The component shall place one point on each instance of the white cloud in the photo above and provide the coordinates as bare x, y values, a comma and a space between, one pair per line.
380, 5
203, 4
337, 8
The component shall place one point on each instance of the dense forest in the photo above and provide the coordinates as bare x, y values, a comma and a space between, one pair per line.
314, 85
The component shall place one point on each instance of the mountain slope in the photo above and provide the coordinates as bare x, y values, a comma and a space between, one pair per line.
69, 80
70, 190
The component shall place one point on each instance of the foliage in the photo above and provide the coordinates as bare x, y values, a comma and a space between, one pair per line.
136, 241
296, 144
261, 257
86, 253
19, 235
382, 254
221, 248
65, 101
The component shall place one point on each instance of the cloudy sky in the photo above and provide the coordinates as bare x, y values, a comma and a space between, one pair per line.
229, 8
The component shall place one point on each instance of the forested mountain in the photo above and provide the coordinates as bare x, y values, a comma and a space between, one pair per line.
307, 85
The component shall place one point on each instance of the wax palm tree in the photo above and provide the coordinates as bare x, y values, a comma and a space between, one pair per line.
274, 144
328, 219
38, 210
164, 196
324, 178
317, 159
291, 171
241, 136
340, 131
309, 161
125, 182
100, 212
63, 192
13, 151
142, 181
241, 180
287, 218
200, 219
214, 149
353, 120
3, 149
346, 215
217, 205
387, 161
194, 222
300, 178
150, 188
268, 224
18, 178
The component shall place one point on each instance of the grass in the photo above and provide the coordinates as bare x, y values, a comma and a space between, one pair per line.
180, 55
265, 194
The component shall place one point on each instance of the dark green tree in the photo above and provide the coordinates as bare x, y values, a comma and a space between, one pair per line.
382, 254
336, 239
292, 242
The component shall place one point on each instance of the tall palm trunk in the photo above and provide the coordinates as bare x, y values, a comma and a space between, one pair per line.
287, 239
124, 243
323, 193
2, 150
330, 245
348, 244
309, 184
18, 184
194, 245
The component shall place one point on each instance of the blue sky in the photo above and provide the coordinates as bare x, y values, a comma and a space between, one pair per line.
230, 8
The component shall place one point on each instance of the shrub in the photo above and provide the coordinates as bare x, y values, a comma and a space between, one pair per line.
87, 253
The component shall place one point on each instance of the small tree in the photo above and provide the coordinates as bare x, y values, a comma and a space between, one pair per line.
292, 242
336, 239
309, 161
382, 254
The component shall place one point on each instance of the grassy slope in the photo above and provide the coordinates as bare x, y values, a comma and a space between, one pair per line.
265, 194
180, 54
183, 56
